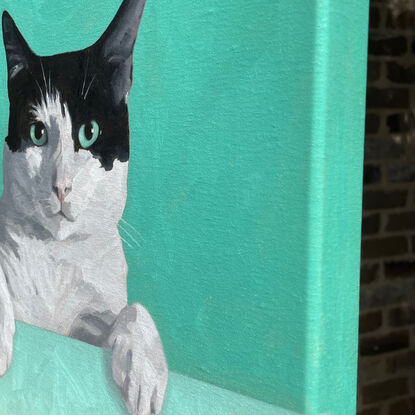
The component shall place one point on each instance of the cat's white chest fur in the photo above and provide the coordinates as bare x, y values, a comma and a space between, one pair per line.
49, 289
65, 168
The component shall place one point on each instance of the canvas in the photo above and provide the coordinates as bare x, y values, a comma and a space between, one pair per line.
62, 265
241, 225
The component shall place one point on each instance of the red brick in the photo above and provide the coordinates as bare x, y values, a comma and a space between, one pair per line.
370, 411
384, 247
373, 71
401, 221
403, 20
379, 199
384, 149
399, 269
384, 344
398, 123
371, 174
401, 74
387, 45
370, 369
400, 362
374, 17
369, 273
382, 391
402, 316
370, 322
382, 295
404, 407
387, 98
371, 224
401, 173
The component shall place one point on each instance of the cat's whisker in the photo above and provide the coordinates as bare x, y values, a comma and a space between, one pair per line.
86, 73
130, 236
44, 77
133, 229
89, 87
50, 82
126, 238
126, 242
40, 89
128, 232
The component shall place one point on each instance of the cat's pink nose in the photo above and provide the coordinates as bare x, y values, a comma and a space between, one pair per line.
62, 190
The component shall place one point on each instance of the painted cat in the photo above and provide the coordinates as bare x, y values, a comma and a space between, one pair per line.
62, 265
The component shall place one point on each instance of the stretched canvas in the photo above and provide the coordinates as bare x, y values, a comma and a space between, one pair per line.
65, 186
180, 201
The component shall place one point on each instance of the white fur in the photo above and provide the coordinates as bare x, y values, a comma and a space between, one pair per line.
63, 259
86, 228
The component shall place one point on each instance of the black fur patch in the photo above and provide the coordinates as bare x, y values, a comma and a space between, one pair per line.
93, 82
83, 84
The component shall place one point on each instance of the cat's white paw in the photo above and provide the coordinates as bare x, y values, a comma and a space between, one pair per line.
6, 345
138, 363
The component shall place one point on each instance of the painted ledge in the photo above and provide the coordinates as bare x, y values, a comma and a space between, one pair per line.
52, 375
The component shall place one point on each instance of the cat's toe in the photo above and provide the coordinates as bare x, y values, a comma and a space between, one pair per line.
6, 349
140, 386
143, 402
136, 393
138, 363
142, 396
157, 398
138, 401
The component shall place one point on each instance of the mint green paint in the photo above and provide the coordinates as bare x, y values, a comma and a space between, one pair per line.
61, 376
245, 184
334, 209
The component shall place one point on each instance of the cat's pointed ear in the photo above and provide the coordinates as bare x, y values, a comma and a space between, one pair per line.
116, 46
18, 52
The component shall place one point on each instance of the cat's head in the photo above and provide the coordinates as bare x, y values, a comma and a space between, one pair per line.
67, 150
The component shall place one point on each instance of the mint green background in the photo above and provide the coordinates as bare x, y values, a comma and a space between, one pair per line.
245, 184
58, 384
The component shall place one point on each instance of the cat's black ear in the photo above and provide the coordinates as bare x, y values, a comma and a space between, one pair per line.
18, 52
116, 46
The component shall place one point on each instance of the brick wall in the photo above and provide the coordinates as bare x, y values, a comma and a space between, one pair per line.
386, 383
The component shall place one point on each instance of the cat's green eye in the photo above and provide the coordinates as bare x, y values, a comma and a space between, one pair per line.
38, 134
88, 134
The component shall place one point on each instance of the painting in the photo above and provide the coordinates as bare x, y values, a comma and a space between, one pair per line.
66, 156
179, 213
